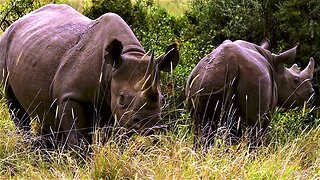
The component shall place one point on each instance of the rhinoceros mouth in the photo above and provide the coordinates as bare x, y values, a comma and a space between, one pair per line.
154, 130
129, 132
296, 89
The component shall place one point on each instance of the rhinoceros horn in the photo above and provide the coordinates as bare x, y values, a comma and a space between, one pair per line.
310, 68
155, 79
150, 76
295, 68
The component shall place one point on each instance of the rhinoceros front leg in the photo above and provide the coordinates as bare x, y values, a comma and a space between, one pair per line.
20, 117
74, 121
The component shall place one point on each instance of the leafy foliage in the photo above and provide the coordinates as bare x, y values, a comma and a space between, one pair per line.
132, 13
286, 126
14, 9
213, 21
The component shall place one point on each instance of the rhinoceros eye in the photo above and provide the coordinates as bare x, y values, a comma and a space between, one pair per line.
296, 80
121, 101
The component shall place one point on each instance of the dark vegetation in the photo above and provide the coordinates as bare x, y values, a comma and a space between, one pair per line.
205, 25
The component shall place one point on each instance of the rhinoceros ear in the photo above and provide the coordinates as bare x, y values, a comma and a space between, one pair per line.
265, 44
113, 52
171, 56
286, 57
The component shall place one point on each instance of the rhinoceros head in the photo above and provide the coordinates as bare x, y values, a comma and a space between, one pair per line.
294, 86
135, 87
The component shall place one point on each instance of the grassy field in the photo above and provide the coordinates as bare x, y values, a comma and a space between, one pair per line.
176, 7
166, 156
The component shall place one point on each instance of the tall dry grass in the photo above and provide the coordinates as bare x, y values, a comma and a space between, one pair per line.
164, 156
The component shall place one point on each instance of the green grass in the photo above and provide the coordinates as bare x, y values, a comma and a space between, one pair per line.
166, 156
176, 7
2, 1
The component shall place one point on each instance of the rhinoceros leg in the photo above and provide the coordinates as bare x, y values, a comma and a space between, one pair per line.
201, 109
75, 122
254, 102
20, 117
213, 114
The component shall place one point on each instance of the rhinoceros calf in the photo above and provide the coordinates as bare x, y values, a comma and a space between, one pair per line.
75, 74
241, 79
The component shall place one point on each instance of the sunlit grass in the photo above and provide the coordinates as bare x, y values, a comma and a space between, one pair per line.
176, 7
172, 158
165, 156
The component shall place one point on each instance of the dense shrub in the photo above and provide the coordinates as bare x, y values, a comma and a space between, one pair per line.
133, 13
213, 21
284, 22
298, 21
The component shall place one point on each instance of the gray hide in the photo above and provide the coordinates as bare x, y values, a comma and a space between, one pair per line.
75, 74
241, 79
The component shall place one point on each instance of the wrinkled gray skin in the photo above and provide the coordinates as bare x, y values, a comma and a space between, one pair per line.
75, 74
241, 79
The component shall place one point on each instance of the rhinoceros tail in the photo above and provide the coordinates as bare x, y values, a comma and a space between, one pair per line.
189, 83
3, 72
2, 63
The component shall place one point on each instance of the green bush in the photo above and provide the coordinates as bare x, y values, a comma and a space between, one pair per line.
133, 13
14, 9
286, 126
285, 23
213, 21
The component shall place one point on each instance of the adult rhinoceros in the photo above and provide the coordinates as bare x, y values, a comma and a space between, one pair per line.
75, 74
241, 79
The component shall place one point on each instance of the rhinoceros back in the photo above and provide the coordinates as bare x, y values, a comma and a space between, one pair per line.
32, 50
215, 72
52, 29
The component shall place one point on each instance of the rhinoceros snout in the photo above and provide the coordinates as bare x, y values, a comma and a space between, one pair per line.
311, 91
136, 123
312, 94
145, 123
307, 95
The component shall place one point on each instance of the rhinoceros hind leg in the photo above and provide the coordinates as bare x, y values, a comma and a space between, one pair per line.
205, 112
20, 117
